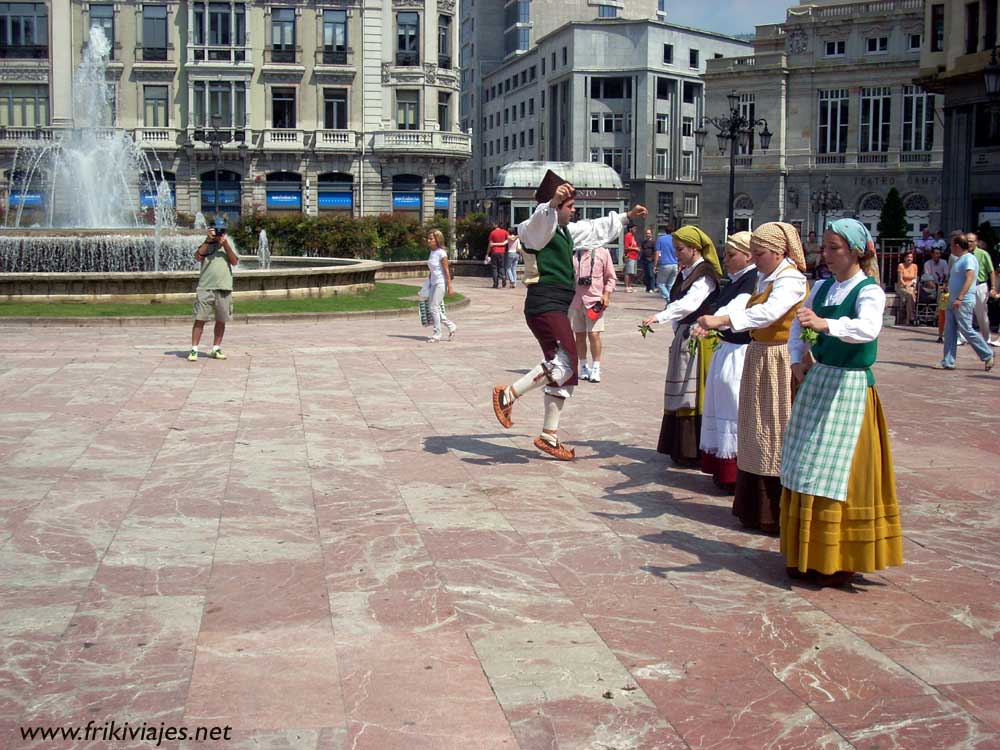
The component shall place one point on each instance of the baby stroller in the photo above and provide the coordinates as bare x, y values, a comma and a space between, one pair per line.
927, 301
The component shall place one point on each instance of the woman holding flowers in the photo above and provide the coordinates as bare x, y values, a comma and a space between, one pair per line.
766, 387
719, 423
839, 512
692, 294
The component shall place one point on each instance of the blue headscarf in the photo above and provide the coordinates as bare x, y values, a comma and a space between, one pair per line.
859, 239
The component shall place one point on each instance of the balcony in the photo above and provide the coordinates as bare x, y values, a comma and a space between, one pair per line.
282, 56
151, 54
407, 59
831, 159
208, 54
444, 61
867, 158
156, 137
15, 137
915, 157
24, 52
336, 141
195, 138
331, 57
423, 142
278, 139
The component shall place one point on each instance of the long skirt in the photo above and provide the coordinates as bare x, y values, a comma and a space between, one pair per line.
683, 398
719, 423
765, 408
861, 534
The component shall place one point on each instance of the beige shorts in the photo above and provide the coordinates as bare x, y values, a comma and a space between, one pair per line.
213, 304
582, 324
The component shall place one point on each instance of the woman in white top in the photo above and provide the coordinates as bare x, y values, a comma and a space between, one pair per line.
510, 262
439, 283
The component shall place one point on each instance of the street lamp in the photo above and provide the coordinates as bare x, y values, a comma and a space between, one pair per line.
824, 200
732, 130
216, 137
991, 76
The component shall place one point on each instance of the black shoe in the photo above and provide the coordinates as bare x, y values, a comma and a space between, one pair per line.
940, 340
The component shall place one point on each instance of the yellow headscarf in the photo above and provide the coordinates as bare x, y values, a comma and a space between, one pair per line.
740, 242
694, 237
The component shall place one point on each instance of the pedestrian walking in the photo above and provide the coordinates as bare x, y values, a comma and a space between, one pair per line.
649, 261
438, 284
839, 509
666, 266
692, 295
962, 299
631, 259
550, 236
513, 254
497, 254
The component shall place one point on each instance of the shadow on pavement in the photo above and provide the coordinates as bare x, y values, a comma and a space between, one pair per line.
490, 454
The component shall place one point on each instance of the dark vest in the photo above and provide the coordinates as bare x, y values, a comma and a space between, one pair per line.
681, 286
744, 285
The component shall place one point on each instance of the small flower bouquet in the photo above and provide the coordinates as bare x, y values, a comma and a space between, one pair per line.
809, 336
644, 329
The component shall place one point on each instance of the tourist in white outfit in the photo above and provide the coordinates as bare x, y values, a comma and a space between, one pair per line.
439, 284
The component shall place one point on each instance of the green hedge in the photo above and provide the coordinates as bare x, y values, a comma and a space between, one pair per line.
387, 237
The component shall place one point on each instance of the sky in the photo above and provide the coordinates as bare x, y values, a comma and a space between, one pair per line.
727, 16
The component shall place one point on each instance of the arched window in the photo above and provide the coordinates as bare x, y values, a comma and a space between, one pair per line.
743, 203
407, 193
221, 193
870, 202
916, 202
284, 191
336, 192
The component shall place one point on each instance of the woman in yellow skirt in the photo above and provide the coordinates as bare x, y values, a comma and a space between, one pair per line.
839, 512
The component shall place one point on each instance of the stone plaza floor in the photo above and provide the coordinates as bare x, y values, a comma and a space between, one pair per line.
328, 542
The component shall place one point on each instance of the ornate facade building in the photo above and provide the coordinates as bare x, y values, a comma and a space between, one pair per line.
835, 83
329, 105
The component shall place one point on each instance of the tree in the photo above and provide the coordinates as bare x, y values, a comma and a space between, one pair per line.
892, 222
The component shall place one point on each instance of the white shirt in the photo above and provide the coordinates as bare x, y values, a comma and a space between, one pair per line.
739, 302
513, 245
535, 232
788, 290
434, 263
696, 294
860, 330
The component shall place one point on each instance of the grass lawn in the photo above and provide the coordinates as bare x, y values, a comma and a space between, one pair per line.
385, 297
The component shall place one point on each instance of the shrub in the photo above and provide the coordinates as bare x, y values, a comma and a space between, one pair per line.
473, 232
892, 222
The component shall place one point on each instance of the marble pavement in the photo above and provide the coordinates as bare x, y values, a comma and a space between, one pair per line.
327, 542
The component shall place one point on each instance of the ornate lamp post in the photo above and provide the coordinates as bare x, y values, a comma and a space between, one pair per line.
216, 137
991, 77
733, 129
824, 200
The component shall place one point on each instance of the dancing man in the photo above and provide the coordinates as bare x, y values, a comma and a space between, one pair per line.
550, 237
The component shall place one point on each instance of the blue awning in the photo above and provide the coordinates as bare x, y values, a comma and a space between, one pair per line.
226, 197
442, 200
27, 199
147, 199
286, 199
406, 200
329, 199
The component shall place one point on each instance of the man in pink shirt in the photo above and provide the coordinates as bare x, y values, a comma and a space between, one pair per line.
595, 281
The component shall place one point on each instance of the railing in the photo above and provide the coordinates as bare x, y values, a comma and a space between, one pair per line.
873, 158
274, 56
459, 144
444, 61
744, 161
228, 53
831, 159
915, 157
867, 8
158, 136
24, 52
331, 57
152, 54
197, 136
336, 140
283, 138
407, 59
41, 133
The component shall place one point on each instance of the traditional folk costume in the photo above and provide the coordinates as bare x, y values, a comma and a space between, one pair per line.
719, 423
692, 295
765, 402
551, 284
839, 512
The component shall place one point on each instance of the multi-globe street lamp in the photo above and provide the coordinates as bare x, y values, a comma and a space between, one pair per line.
733, 130
216, 137
825, 200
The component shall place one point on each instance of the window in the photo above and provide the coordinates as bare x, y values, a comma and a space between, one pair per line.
444, 41
154, 32
531, 106
553, 61
522, 109
513, 113
531, 137
24, 106
543, 66
226, 27
335, 37
614, 123
155, 105
103, 17
664, 88
614, 158
407, 39
335, 109
836, 49
661, 9
521, 139
687, 126
876, 109
407, 107
524, 77
971, 28
611, 88
24, 29
224, 99
444, 111
662, 123
668, 54
282, 108
687, 165
533, 73
833, 115
565, 56
661, 162
491, 148
506, 116
693, 58
595, 122
691, 91
506, 143
690, 204
747, 108
542, 103
918, 120
607, 11
283, 35
937, 28
915, 41
877, 44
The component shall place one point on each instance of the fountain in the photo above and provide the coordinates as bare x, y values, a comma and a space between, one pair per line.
92, 245
263, 250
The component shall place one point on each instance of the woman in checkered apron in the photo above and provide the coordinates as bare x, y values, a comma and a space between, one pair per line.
839, 512
765, 403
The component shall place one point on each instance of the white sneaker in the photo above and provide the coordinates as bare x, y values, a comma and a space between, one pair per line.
451, 332
961, 342
585, 373
433, 339
595, 374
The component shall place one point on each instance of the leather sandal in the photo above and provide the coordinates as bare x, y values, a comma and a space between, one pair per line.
503, 413
558, 450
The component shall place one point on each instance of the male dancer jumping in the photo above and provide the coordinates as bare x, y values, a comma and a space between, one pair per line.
549, 236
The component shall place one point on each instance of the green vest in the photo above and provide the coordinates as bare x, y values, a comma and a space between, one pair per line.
555, 260
831, 351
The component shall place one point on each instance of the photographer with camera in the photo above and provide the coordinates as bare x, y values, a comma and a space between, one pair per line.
214, 296
595, 281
